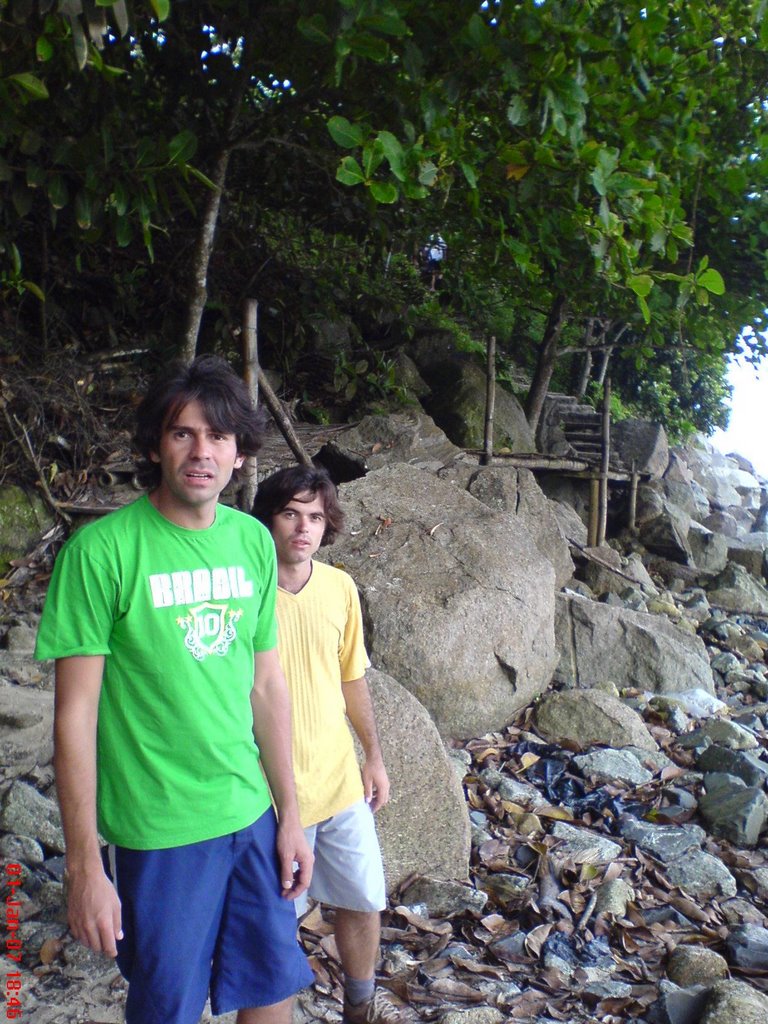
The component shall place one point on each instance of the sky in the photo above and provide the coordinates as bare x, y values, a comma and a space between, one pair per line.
747, 432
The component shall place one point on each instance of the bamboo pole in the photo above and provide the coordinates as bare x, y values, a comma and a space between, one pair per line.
605, 460
594, 503
632, 518
249, 473
490, 400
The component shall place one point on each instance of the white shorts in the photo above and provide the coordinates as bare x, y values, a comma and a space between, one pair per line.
348, 870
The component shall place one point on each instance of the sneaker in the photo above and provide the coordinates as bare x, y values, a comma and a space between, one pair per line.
378, 1010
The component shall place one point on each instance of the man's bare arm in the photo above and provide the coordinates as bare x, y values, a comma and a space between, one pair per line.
272, 731
357, 698
93, 904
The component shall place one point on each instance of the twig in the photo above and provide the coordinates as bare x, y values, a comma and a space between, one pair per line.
32, 458
588, 911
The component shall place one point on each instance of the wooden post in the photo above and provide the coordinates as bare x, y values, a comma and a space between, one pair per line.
490, 400
249, 473
632, 518
594, 503
605, 460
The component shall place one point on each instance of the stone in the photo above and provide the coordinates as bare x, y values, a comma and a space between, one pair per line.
663, 842
475, 1015
695, 965
443, 898
26, 728
613, 897
572, 527
642, 443
677, 1005
723, 523
597, 642
612, 766
410, 437
701, 876
28, 813
514, 790
662, 525
728, 734
734, 1002
710, 550
21, 849
458, 602
515, 491
23, 519
734, 589
750, 552
583, 846
589, 717
741, 763
424, 787
748, 947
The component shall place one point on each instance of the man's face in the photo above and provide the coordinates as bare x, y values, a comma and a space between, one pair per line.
196, 464
298, 528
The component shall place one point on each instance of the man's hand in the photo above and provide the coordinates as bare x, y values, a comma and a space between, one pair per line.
94, 911
295, 860
375, 783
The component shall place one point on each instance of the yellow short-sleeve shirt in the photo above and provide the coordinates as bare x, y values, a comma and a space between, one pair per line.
320, 642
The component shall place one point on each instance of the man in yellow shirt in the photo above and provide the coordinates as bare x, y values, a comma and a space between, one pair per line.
320, 643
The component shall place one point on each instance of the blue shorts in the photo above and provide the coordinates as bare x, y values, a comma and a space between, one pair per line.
206, 917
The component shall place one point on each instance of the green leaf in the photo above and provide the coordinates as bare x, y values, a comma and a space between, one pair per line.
83, 210
31, 84
383, 191
641, 284
123, 231
36, 290
58, 194
315, 29
191, 169
427, 173
393, 151
366, 45
35, 175
712, 281
644, 309
469, 173
162, 8
43, 49
344, 133
373, 154
517, 111
182, 147
349, 172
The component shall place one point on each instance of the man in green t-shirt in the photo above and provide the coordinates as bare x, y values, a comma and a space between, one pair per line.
169, 699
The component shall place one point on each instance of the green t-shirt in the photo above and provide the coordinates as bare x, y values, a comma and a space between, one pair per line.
178, 615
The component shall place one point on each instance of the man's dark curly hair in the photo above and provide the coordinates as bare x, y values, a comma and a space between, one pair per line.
283, 487
225, 400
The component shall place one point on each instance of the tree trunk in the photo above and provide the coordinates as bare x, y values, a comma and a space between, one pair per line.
546, 361
586, 360
249, 472
202, 258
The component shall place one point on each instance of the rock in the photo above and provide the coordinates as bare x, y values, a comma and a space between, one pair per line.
424, 787
612, 766
734, 1002
724, 523
26, 729
665, 843
20, 639
572, 527
21, 849
597, 642
695, 965
410, 437
443, 898
748, 947
736, 590
513, 790
677, 1005
23, 518
589, 717
457, 601
662, 525
583, 846
28, 813
701, 875
727, 734
612, 897
750, 552
476, 1015
741, 763
515, 491
641, 443
710, 550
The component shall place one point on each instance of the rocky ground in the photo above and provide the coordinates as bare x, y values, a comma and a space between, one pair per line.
619, 865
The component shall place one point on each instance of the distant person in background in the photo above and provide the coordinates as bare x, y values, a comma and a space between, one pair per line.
169, 693
320, 640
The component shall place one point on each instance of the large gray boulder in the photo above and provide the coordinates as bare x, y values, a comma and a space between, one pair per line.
457, 599
424, 788
643, 444
750, 552
398, 437
662, 525
709, 549
736, 590
601, 643
26, 729
515, 491
589, 717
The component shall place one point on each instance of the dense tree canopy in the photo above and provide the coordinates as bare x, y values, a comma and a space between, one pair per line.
596, 167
